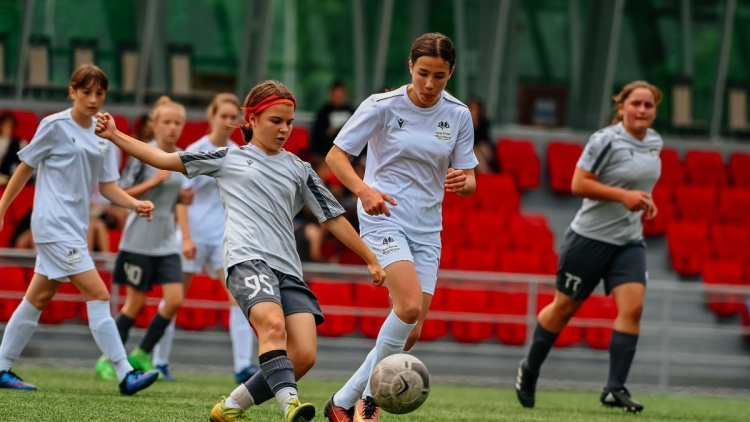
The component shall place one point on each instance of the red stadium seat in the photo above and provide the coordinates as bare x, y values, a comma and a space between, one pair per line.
469, 301
14, 280
687, 242
27, 122
561, 162
192, 131
697, 203
521, 262
334, 293
600, 308
518, 159
298, 141
672, 171
511, 303
477, 259
58, 310
724, 273
571, 334
739, 169
122, 124
705, 168
531, 233
730, 241
236, 136
663, 198
734, 204
115, 235
202, 288
373, 298
434, 329
497, 193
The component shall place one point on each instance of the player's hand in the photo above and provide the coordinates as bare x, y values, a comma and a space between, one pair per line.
636, 200
161, 175
455, 180
377, 273
188, 248
105, 126
187, 195
374, 202
144, 209
651, 212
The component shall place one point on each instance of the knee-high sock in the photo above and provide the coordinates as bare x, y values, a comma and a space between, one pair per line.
105, 334
621, 353
391, 339
541, 344
154, 332
278, 371
17, 333
124, 324
242, 339
160, 354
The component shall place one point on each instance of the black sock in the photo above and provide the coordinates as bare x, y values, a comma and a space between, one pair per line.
154, 332
541, 344
277, 369
124, 324
259, 389
621, 353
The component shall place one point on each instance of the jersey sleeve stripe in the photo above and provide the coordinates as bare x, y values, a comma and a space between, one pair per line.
600, 158
330, 206
203, 155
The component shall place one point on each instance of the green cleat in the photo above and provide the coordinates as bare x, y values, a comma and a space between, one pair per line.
223, 413
140, 360
105, 370
299, 412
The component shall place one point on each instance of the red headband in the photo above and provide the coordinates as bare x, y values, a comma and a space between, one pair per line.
265, 103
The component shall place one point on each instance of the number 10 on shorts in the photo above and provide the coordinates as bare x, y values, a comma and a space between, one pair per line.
254, 282
572, 279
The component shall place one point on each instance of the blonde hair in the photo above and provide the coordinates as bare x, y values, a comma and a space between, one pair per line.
625, 93
162, 103
219, 99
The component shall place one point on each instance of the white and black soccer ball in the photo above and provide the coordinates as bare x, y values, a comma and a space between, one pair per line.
400, 383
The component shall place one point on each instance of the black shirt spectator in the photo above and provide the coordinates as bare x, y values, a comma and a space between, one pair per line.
9, 146
330, 120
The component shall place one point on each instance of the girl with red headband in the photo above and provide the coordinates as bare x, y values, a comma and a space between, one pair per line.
262, 188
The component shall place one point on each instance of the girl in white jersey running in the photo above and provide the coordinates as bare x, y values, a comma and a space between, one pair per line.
415, 135
69, 160
263, 187
615, 175
201, 229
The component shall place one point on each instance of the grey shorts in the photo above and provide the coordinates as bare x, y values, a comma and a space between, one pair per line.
142, 272
253, 282
584, 262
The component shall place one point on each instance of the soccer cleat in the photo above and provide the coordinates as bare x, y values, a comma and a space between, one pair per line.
141, 360
164, 374
338, 414
299, 412
246, 373
136, 381
223, 413
10, 380
366, 410
526, 385
620, 398
105, 370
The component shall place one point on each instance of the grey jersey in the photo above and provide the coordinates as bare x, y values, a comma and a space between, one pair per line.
155, 237
261, 195
617, 159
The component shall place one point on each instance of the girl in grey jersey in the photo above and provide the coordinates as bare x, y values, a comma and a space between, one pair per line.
149, 253
70, 160
262, 189
615, 175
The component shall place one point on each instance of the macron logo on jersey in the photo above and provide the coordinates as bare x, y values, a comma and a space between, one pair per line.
400, 122
250, 163
443, 131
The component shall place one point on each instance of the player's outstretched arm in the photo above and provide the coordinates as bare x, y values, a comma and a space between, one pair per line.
373, 202
119, 197
343, 230
19, 179
105, 128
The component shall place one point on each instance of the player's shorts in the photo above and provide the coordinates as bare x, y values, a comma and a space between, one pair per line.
142, 272
252, 282
59, 260
391, 245
584, 262
208, 257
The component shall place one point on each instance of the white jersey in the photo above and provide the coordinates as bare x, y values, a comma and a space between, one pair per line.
206, 213
409, 152
261, 195
70, 160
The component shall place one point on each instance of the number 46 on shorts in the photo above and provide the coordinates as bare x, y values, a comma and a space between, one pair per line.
258, 283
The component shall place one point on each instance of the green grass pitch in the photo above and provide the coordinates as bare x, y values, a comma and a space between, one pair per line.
76, 395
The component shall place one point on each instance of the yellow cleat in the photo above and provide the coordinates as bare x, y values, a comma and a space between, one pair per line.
223, 413
299, 412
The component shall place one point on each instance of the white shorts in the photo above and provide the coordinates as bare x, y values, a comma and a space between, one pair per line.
58, 260
391, 246
206, 256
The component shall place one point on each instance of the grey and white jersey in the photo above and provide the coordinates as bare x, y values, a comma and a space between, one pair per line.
155, 237
261, 195
617, 159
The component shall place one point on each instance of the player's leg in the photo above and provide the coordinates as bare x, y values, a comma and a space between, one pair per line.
163, 348
242, 336
21, 326
426, 263
173, 295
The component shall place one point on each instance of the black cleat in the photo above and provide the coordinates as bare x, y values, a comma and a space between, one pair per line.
620, 399
526, 385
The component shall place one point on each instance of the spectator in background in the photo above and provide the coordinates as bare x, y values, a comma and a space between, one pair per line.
144, 129
9, 146
484, 149
330, 120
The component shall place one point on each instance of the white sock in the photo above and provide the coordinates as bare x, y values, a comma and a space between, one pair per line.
106, 336
162, 350
17, 333
391, 339
240, 398
242, 339
284, 395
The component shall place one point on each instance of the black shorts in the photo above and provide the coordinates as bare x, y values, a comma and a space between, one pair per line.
253, 282
142, 272
584, 262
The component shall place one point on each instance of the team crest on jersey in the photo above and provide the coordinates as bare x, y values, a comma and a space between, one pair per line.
654, 153
74, 257
443, 131
390, 245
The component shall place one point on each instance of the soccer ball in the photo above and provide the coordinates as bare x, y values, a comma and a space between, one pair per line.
400, 383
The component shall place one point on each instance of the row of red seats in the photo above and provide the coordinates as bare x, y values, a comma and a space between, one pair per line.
16, 212
458, 312
726, 272
692, 243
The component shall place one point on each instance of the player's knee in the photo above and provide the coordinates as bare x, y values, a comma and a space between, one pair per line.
273, 329
409, 311
565, 310
632, 312
172, 304
40, 301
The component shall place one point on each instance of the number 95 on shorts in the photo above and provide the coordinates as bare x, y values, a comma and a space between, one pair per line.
252, 282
